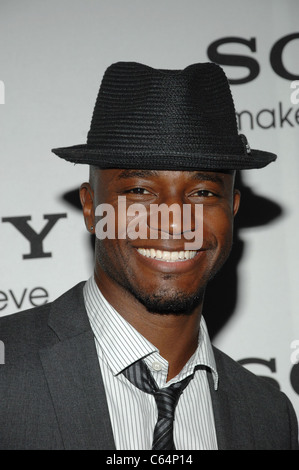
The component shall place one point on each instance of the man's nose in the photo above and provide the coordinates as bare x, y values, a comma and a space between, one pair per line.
172, 217
166, 219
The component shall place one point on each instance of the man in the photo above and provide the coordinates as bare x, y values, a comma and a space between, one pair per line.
124, 360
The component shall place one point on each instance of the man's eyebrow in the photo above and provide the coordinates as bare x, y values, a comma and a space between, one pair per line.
203, 176
196, 175
137, 174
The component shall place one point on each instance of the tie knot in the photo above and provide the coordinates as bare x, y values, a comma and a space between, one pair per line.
167, 398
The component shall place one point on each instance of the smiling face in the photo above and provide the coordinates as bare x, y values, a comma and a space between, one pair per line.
159, 274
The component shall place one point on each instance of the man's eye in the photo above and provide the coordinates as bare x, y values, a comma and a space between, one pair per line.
138, 191
204, 193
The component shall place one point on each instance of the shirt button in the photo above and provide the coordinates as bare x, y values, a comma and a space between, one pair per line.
156, 366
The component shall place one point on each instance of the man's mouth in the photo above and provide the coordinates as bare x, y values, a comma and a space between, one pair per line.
168, 256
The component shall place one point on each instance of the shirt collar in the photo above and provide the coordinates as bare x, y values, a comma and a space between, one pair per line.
110, 329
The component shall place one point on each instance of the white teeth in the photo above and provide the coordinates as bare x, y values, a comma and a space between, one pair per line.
169, 256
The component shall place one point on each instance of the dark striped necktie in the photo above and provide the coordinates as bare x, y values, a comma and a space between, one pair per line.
166, 399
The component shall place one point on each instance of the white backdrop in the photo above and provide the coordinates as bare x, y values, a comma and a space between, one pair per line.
52, 58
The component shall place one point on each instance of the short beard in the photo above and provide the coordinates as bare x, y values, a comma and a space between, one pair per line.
161, 303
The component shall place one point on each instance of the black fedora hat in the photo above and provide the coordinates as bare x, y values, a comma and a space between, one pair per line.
165, 119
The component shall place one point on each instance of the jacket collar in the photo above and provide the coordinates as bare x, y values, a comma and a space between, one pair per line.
231, 411
74, 377
75, 383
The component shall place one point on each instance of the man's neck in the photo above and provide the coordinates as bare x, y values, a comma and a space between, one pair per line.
175, 336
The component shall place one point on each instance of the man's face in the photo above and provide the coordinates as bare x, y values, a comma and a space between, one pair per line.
160, 273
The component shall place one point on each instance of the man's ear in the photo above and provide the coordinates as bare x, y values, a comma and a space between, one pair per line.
236, 203
86, 198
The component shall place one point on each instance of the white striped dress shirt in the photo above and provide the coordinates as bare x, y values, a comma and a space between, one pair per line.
133, 413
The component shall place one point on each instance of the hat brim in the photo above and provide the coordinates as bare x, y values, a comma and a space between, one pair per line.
85, 154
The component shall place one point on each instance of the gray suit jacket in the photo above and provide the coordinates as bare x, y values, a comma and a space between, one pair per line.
52, 394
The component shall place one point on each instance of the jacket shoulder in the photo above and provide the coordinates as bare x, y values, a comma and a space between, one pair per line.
238, 376
268, 406
25, 332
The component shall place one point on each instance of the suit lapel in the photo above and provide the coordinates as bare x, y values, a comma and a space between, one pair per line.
74, 378
231, 413
75, 382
